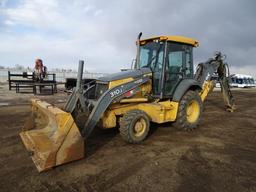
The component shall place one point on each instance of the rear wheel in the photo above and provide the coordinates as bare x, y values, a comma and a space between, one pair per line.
134, 126
189, 112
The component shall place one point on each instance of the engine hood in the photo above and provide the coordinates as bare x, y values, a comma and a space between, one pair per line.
125, 74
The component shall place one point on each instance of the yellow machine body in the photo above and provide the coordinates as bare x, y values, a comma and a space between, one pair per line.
158, 112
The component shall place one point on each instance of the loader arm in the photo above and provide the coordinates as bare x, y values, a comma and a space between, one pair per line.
111, 95
100, 106
204, 74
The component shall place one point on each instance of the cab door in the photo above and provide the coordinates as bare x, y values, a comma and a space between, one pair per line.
178, 66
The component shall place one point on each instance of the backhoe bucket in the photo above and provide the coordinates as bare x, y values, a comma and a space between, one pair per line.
51, 136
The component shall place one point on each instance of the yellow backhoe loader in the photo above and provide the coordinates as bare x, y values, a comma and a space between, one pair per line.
161, 87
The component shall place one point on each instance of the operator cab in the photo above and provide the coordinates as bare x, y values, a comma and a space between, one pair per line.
170, 59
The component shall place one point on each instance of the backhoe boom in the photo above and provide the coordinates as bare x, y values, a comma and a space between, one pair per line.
204, 74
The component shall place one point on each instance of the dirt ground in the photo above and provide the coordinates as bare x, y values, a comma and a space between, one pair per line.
219, 156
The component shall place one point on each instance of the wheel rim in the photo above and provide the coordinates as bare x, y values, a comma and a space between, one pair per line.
193, 111
140, 127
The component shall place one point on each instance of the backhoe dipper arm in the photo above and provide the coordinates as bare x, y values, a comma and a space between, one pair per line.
204, 74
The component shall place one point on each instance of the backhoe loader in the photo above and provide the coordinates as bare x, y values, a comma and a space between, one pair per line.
161, 87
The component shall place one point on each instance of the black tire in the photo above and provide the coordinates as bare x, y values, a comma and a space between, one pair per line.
184, 121
128, 126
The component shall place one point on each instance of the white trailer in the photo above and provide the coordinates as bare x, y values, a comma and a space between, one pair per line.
242, 81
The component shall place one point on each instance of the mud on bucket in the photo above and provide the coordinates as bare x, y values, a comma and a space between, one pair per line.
51, 136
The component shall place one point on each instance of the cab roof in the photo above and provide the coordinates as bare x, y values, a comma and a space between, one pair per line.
179, 39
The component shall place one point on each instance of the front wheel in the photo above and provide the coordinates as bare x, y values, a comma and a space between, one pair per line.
189, 111
134, 126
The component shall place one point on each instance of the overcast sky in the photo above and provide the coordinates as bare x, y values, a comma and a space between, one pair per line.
103, 32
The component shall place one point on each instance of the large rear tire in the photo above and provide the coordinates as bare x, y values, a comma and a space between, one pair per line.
134, 126
189, 112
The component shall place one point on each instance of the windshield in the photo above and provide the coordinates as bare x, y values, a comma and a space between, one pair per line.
150, 54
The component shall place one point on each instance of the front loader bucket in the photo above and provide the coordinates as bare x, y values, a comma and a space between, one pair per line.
51, 136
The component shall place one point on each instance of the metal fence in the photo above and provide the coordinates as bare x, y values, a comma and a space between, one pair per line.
60, 75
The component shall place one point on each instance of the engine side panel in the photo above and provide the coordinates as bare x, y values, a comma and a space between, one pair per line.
160, 112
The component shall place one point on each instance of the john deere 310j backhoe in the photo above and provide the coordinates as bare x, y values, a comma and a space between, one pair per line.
161, 87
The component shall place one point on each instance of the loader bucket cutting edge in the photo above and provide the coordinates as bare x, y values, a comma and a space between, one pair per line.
51, 136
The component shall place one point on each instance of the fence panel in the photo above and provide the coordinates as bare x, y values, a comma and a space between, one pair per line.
60, 75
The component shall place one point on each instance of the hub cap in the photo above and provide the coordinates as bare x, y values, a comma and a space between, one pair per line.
193, 111
140, 127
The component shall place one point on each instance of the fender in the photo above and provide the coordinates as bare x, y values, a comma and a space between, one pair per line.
183, 86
